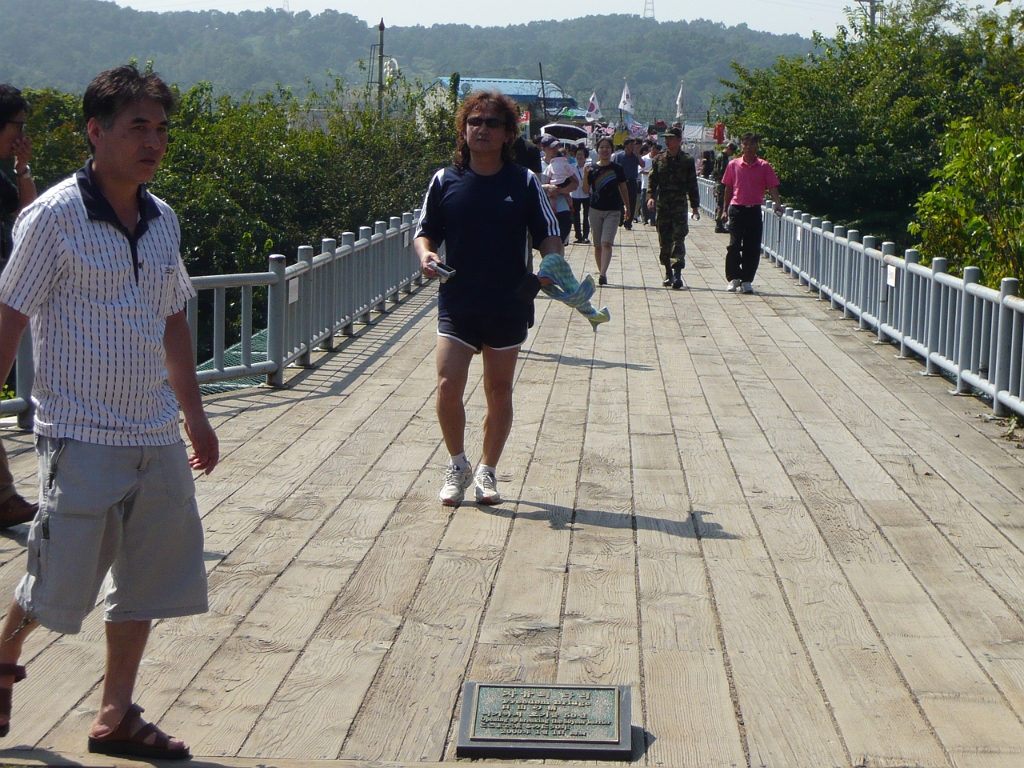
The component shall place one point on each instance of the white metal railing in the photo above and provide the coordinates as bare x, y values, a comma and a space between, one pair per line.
973, 333
308, 303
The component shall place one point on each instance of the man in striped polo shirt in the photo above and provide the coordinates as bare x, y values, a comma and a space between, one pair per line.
97, 269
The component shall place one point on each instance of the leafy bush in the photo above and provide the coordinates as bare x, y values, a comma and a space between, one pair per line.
854, 130
974, 215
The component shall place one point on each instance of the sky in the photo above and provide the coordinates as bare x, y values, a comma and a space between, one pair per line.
778, 16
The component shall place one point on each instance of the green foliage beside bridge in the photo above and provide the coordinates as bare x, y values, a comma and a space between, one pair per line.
266, 173
974, 215
862, 130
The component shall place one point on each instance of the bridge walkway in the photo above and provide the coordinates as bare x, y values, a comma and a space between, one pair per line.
798, 550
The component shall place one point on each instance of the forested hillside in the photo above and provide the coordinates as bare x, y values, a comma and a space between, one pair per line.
63, 43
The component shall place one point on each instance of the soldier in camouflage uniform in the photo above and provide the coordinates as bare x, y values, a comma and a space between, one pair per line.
721, 163
673, 178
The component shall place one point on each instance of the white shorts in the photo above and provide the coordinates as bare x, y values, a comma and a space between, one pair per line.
127, 510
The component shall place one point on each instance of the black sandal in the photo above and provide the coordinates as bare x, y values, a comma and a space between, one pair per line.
6, 694
123, 742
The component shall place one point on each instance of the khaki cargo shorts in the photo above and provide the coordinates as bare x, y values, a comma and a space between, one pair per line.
129, 511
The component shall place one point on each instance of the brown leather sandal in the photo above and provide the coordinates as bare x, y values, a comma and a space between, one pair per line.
121, 740
6, 693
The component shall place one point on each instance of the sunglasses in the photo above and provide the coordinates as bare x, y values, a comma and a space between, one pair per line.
490, 122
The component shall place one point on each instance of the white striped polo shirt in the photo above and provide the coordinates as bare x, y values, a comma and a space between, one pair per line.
98, 314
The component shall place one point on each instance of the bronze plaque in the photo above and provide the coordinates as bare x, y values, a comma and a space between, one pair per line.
518, 719
532, 713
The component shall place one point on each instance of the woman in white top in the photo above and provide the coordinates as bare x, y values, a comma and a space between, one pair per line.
580, 199
646, 161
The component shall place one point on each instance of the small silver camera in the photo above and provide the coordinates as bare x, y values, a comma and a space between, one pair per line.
443, 271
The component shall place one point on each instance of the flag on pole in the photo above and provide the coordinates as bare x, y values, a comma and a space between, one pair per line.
633, 128
593, 109
626, 102
679, 102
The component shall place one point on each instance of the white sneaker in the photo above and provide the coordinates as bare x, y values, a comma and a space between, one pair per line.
487, 487
456, 481
748, 287
733, 286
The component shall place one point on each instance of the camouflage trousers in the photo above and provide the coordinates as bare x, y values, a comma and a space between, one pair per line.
673, 227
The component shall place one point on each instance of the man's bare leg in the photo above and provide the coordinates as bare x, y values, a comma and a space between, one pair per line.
126, 642
499, 370
453, 359
17, 627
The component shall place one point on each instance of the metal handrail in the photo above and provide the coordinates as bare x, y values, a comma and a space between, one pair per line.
308, 304
973, 333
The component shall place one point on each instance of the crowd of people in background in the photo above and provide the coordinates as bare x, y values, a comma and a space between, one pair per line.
596, 191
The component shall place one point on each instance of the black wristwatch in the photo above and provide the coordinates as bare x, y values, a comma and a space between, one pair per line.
26, 175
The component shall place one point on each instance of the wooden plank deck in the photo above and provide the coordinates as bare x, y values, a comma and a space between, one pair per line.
799, 551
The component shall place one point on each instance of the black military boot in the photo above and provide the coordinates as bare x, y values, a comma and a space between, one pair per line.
677, 281
667, 282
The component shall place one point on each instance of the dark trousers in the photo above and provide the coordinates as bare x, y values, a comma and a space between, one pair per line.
744, 251
581, 209
633, 188
564, 224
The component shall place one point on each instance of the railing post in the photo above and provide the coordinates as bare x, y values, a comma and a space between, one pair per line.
784, 241
884, 308
366, 274
306, 300
395, 262
838, 262
863, 286
827, 257
849, 267
1008, 286
934, 296
277, 307
972, 275
803, 272
24, 377
348, 284
328, 294
814, 267
380, 265
907, 300
412, 250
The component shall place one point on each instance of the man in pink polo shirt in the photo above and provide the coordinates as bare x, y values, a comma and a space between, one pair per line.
746, 180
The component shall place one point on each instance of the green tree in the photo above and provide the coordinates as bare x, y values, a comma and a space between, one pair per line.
974, 215
854, 130
57, 129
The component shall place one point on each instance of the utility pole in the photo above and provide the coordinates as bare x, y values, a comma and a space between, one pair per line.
872, 8
380, 70
543, 93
